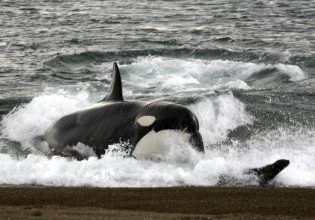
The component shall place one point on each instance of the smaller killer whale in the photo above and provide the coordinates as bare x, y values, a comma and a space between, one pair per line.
263, 174
114, 120
268, 172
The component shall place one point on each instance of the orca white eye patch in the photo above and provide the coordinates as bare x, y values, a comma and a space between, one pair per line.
146, 120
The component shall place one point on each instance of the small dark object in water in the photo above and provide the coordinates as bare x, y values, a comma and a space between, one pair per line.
267, 173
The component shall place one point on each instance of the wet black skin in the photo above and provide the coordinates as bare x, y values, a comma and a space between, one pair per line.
263, 174
116, 121
268, 172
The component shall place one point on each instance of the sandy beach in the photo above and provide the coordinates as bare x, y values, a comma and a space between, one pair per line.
156, 203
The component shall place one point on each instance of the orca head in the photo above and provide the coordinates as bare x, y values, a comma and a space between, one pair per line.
153, 119
158, 117
281, 164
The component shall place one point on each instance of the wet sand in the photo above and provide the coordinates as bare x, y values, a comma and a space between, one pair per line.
156, 203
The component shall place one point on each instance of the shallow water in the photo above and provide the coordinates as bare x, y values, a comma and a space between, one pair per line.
245, 68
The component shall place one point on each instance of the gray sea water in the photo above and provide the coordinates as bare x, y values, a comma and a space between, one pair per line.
246, 68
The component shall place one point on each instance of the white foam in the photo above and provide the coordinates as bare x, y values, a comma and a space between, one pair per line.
181, 167
294, 72
220, 115
170, 74
182, 74
32, 119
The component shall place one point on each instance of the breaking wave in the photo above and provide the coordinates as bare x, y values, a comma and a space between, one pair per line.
180, 167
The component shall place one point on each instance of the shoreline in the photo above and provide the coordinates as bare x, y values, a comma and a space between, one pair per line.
158, 203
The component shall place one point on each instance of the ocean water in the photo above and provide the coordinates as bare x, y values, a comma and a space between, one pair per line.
245, 68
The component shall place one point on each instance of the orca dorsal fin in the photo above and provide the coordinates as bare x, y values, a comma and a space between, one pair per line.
115, 91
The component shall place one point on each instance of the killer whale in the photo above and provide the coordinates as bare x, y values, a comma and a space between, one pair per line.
114, 120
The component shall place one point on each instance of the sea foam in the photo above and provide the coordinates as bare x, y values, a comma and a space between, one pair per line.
171, 74
218, 115
180, 167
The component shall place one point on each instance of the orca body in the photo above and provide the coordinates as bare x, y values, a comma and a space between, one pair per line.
114, 120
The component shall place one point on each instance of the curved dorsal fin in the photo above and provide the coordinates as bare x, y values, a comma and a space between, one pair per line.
115, 91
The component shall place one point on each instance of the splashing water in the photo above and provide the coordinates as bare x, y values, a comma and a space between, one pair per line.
181, 166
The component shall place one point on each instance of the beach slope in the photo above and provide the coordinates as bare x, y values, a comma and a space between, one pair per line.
157, 203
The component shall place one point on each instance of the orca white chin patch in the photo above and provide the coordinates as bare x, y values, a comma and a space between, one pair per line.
146, 120
157, 144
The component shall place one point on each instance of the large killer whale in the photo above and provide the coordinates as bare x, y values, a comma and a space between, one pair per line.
140, 124
114, 120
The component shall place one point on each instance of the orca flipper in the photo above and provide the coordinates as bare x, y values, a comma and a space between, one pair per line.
115, 91
268, 172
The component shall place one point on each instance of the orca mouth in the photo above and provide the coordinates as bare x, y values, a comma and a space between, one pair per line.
191, 128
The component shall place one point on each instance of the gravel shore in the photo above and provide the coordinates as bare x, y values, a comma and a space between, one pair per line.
156, 203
